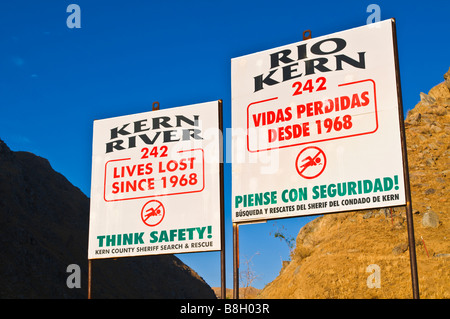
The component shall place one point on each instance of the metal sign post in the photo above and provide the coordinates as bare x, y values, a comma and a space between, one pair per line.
409, 214
222, 206
235, 261
89, 278
236, 255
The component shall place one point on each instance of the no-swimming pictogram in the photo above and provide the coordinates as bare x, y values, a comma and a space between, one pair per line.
311, 162
152, 213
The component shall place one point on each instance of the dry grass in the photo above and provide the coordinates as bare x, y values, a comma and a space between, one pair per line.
344, 245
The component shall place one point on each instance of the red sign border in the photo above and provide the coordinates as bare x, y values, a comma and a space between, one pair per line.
315, 141
156, 195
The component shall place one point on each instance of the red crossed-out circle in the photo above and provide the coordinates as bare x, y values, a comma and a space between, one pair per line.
310, 162
153, 213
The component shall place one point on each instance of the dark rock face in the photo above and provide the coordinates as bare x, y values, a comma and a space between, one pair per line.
44, 223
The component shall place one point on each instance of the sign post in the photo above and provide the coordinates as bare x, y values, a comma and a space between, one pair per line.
235, 261
223, 286
316, 128
157, 184
409, 213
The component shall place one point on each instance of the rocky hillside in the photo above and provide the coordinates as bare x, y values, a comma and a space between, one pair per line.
333, 252
44, 229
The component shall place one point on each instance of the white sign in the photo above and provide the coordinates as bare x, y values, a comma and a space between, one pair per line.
156, 183
316, 127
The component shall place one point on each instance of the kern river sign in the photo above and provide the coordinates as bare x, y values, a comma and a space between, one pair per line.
156, 183
316, 127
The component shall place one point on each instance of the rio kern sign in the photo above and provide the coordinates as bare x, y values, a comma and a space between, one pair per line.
156, 183
316, 127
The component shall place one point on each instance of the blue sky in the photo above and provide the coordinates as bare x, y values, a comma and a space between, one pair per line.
55, 81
